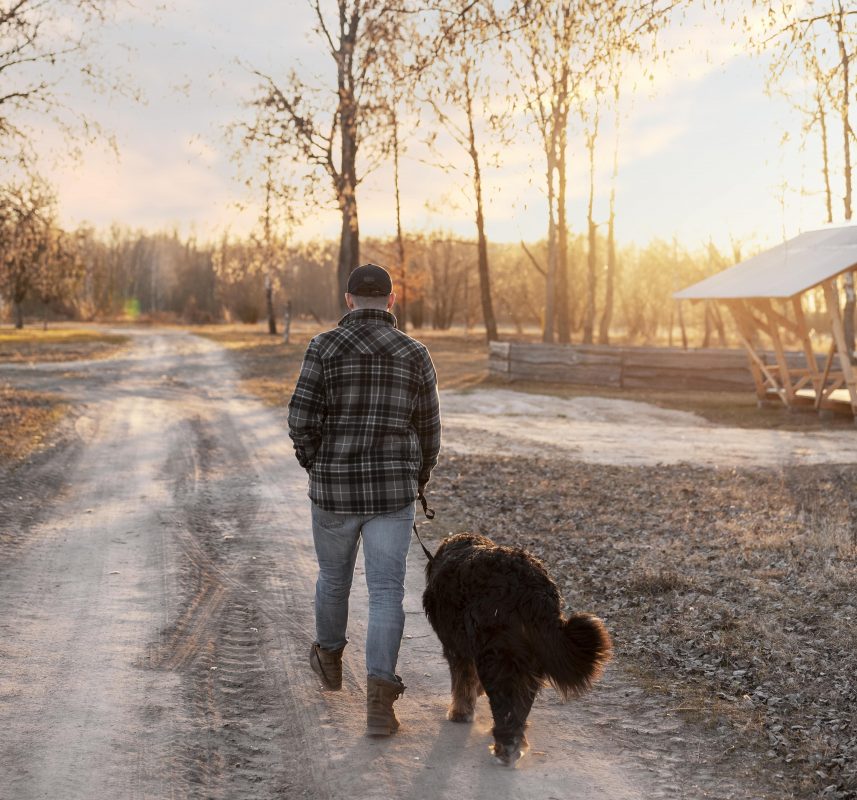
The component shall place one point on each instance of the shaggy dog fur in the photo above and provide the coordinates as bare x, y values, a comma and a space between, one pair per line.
499, 618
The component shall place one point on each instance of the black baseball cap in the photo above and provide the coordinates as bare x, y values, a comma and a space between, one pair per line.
370, 280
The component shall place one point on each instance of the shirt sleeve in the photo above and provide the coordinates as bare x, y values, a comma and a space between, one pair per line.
426, 421
308, 408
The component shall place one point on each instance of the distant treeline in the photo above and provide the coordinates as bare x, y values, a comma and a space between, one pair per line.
126, 274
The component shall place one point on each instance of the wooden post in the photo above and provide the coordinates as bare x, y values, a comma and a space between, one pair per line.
758, 369
831, 297
779, 351
809, 353
828, 362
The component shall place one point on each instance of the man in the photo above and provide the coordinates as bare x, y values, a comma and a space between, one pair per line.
365, 423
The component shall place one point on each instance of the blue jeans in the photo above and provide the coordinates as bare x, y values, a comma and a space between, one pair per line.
386, 538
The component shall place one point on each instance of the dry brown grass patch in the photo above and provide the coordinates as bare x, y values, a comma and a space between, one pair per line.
27, 420
57, 344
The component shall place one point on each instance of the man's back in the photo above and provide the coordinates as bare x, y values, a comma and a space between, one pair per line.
364, 415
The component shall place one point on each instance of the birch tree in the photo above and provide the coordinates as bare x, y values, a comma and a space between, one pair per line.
459, 88
559, 56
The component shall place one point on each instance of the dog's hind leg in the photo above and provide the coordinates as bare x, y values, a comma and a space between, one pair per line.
511, 690
465, 688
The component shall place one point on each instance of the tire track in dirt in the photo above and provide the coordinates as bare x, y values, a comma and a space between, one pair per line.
239, 737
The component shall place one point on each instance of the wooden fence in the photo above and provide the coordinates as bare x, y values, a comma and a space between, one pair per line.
629, 367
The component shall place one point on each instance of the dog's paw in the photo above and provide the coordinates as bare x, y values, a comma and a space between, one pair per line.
455, 715
508, 755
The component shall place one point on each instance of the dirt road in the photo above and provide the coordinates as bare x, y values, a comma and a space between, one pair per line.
155, 616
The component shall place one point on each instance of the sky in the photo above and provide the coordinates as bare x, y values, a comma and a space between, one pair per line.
701, 152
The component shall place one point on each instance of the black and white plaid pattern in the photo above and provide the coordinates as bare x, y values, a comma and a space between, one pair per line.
364, 416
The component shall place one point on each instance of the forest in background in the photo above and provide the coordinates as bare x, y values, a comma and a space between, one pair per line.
162, 277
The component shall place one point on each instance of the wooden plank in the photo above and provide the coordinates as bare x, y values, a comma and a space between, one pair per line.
806, 343
499, 366
704, 380
499, 349
746, 331
685, 359
782, 363
563, 355
774, 317
589, 375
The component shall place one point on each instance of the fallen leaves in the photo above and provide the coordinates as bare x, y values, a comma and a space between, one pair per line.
730, 590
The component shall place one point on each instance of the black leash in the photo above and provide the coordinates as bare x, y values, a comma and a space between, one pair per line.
429, 512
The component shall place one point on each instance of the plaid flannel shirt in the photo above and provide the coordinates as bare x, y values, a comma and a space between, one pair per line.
364, 417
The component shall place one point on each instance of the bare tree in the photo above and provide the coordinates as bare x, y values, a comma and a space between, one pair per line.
558, 56
549, 37
27, 213
326, 128
397, 100
58, 269
457, 87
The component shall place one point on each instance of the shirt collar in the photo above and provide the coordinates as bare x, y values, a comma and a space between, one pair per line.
369, 316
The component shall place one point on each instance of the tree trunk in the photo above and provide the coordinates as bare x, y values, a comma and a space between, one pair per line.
349, 245
592, 263
681, 325
550, 276
847, 133
706, 337
269, 305
562, 324
828, 194
349, 241
400, 242
718, 323
610, 277
19, 314
482, 242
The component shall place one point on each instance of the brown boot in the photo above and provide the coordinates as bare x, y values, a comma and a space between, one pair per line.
380, 696
327, 664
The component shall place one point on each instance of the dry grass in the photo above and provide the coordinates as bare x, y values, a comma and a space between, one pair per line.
730, 592
27, 420
31, 345
270, 369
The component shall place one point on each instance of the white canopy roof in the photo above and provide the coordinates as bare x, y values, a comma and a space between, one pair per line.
785, 270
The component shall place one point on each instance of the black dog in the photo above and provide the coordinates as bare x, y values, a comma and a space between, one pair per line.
498, 616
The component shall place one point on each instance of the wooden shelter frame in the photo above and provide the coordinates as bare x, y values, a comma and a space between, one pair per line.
782, 379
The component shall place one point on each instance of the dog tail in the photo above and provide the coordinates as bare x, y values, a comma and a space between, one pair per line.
575, 653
